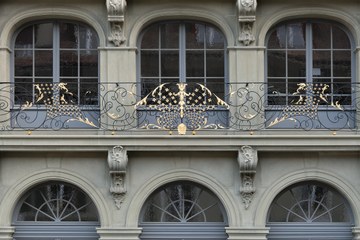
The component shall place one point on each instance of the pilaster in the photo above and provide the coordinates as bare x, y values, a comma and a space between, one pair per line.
250, 233
119, 233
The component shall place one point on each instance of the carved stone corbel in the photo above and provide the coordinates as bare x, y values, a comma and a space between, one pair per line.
117, 160
116, 17
247, 162
246, 12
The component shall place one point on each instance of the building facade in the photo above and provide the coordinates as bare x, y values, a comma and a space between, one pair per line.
167, 119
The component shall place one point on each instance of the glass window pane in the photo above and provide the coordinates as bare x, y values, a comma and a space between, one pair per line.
214, 38
296, 63
342, 86
169, 36
25, 38
23, 90
44, 35
69, 95
23, 62
148, 85
195, 35
342, 63
89, 91
215, 64
149, 63
277, 39
322, 63
68, 63
277, 86
276, 63
340, 39
150, 39
43, 63
216, 86
88, 38
321, 33
88, 63
170, 63
194, 63
69, 35
296, 36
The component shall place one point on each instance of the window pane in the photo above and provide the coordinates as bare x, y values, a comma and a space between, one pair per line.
321, 33
277, 86
170, 63
194, 63
342, 86
214, 38
217, 87
150, 39
195, 35
23, 62
88, 63
215, 64
148, 85
293, 85
296, 35
25, 38
342, 63
43, 63
276, 64
68, 63
88, 38
89, 91
277, 39
340, 39
322, 63
72, 95
149, 63
23, 90
296, 64
169, 35
44, 35
69, 35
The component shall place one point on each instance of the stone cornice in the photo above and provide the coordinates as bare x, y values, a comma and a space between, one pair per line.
181, 143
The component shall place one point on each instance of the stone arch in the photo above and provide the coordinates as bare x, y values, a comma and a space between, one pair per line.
48, 13
140, 197
176, 14
338, 183
314, 12
16, 191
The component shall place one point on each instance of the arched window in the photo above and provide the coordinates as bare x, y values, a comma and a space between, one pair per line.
186, 51
55, 64
309, 68
56, 210
181, 68
183, 210
310, 210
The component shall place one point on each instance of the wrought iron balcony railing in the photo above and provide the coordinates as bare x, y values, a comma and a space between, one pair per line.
178, 107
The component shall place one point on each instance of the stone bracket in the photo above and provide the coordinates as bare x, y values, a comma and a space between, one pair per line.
248, 159
116, 17
246, 17
117, 160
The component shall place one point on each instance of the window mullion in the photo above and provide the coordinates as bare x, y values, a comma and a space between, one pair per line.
182, 53
56, 53
309, 54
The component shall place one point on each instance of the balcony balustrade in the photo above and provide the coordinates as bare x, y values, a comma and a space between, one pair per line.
178, 107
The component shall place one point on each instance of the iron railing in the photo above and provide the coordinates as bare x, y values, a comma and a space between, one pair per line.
178, 107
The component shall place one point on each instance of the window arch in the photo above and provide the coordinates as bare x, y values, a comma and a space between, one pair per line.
182, 51
183, 210
310, 210
310, 63
55, 209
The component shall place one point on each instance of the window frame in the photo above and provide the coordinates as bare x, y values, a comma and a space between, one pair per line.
55, 49
309, 77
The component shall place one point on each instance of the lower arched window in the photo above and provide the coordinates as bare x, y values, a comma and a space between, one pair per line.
310, 211
183, 210
55, 210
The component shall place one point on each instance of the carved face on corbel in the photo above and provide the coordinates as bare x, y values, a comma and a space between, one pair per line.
247, 3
